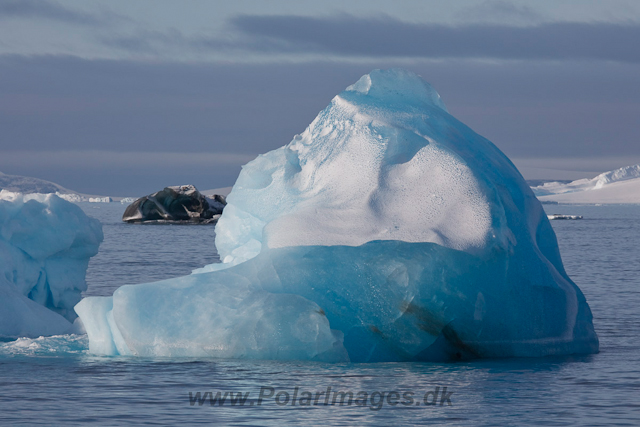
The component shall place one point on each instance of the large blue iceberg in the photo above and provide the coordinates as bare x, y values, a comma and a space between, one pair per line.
386, 231
45, 246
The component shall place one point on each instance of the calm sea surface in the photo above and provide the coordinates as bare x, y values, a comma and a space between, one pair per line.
53, 381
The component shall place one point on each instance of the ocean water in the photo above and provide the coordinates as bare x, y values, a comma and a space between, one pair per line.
53, 381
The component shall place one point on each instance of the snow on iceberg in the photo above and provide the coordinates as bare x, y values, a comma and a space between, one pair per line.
386, 231
45, 246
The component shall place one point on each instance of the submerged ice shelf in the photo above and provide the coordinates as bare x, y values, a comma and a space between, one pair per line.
387, 230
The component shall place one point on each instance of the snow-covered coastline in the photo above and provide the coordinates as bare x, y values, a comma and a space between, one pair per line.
35, 186
619, 186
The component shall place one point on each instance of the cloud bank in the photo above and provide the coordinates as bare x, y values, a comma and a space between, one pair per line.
346, 35
53, 11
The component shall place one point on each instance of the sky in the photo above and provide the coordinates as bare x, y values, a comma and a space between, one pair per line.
124, 97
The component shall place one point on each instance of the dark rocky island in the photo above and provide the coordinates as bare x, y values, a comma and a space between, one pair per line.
182, 204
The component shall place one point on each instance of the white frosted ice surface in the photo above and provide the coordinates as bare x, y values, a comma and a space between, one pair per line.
374, 165
387, 230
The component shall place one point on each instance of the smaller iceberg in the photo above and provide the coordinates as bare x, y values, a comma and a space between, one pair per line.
563, 216
45, 247
100, 200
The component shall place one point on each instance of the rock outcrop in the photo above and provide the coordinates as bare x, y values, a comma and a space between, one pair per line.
182, 204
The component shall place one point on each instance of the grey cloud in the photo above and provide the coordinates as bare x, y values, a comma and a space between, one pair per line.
171, 41
350, 36
149, 42
53, 11
500, 11
90, 159
126, 173
134, 109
